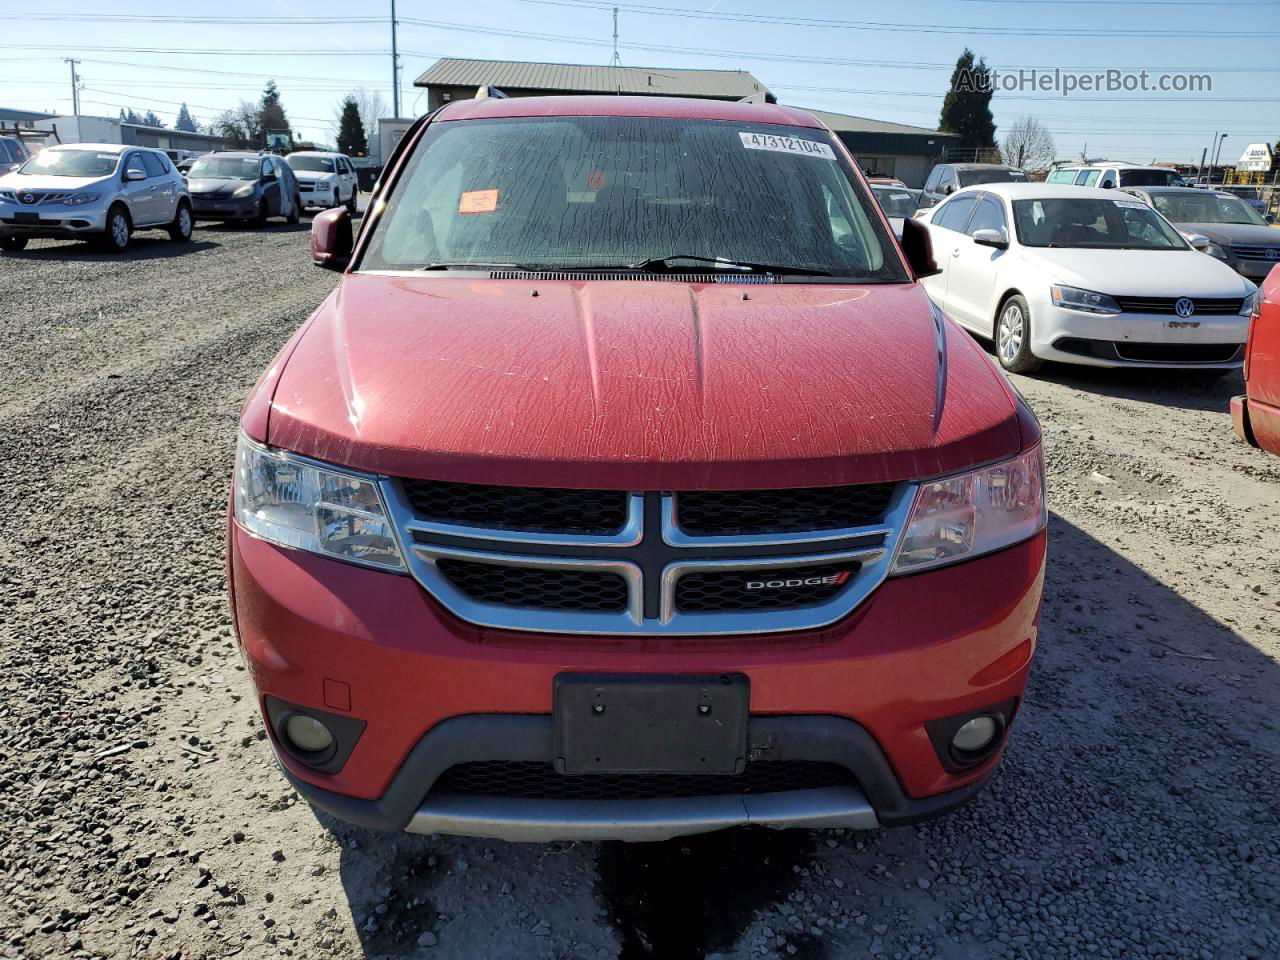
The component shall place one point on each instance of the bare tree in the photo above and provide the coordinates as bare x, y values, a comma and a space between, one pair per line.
372, 106
1028, 145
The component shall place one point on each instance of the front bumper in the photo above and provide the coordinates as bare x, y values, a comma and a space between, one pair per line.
222, 208
56, 221
1131, 339
433, 692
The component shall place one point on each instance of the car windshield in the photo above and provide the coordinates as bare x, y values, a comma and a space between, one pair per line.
310, 164
225, 168
71, 163
1089, 223
1151, 178
969, 178
615, 192
1202, 207
897, 202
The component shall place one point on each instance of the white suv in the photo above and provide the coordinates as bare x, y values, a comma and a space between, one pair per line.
101, 191
325, 179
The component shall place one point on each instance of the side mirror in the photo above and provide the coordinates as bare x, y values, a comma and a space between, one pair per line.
1199, 241
949, 188
130, 175
332, 239
1106, 185
988, 237
269, 178
1271, 218
918, 249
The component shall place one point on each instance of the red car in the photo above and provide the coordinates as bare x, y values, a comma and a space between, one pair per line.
1256, 413
628, 485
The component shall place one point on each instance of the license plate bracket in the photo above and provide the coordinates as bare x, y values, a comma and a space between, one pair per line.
28, 218
650, 723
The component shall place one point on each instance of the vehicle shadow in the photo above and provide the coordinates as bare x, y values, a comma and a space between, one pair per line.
1140, 784
141, 247
245, 226
1186, 389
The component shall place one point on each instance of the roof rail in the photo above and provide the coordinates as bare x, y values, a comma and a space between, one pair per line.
487, 90
764, 96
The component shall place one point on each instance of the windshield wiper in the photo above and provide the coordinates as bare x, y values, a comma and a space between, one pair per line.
664, 264
468, 265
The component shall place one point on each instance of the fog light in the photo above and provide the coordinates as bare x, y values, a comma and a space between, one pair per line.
307, 733
975, 735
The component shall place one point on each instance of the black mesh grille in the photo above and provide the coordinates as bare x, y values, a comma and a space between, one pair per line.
535, 780
1178, 352
544, 589
518, 508
1210, 305
756, 278
723, 512
729, 590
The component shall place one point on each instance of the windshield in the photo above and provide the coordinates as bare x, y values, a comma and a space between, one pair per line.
969, 178
897, 202
310, 164
1089, 223
1205, 208
1150, 178
71, 163
566, 192
225, 168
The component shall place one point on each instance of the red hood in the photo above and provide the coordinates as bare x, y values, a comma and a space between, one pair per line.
637, 385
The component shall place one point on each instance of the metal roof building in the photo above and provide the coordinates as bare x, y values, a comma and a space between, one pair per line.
883, 149
456, 79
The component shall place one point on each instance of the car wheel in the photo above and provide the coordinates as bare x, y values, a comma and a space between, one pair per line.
1013, 337
183, 223
351, 203
264, 212
13, 244
115, 239
295, 212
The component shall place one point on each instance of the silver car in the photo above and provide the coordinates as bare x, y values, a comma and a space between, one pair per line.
98, 191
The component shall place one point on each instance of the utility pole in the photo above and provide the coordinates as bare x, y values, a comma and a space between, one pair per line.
1200, 169
75, 89
617, 60
395, 65
1218, 152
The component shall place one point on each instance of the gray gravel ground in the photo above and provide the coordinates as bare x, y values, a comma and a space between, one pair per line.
1135, 815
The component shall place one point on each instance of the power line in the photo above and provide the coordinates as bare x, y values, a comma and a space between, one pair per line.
878, 25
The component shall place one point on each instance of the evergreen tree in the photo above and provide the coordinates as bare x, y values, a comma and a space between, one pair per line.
967, 107
271, 115
149, 119
128, 116
351, 138
184, 121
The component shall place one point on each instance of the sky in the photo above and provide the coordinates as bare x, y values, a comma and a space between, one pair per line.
888, 61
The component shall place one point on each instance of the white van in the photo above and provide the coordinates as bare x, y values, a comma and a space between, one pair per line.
1107, 175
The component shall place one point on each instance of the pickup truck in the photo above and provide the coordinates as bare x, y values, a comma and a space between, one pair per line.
1256, 412
628, 485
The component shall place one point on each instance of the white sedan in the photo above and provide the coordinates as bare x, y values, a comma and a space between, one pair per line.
1086, 276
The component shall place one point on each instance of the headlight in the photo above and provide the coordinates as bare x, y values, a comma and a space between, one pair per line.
1215, 250
1252, 303
76, 199
245, 191
298, 504
974, 513
1086, 301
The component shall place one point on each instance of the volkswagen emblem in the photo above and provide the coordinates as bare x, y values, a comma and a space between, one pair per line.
1184, 307
28, 198
1273, 253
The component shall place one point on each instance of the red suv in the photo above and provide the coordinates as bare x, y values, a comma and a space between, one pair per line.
629, 485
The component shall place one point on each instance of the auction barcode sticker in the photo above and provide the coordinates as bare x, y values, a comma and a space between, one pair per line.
769, 141
1130, 204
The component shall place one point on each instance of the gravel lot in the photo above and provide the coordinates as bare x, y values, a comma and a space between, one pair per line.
1135, 815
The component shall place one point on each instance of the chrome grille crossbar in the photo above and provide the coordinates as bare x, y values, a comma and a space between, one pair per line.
651, 554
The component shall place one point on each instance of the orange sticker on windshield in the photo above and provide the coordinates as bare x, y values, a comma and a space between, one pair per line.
478, 201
